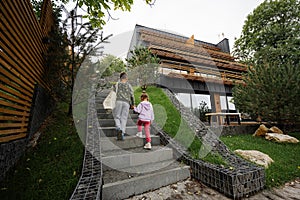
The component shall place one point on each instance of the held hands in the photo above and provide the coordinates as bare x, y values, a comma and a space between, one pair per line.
132, 107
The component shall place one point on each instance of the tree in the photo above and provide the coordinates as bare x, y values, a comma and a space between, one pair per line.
110, 64
37, 5
56, 53
96, 8
143, 65
269, 44
55, 61
201, 111
70, 45
271, 32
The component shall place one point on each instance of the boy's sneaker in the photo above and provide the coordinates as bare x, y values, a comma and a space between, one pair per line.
120, 135
139, 134
147, 146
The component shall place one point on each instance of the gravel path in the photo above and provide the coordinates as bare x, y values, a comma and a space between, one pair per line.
191, 189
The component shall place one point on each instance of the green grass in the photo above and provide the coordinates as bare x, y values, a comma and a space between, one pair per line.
52, 168
168, 117
286, 156
286, 166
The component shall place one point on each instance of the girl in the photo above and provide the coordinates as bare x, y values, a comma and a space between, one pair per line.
146, 116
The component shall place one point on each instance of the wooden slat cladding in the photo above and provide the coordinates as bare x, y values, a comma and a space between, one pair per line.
47, 19
179, 44
27, 34
202, 52
22, 63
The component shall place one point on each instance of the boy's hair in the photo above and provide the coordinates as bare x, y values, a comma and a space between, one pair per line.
144, 96
123, 75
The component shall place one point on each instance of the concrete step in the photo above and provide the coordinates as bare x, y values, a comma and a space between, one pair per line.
111, 122
138, 183
130, 130
108, 115
121, 159
111, 143
128, 169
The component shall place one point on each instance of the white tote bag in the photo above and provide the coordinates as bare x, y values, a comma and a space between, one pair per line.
110, 101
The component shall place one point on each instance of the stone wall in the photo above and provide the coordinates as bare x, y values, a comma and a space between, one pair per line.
235, 130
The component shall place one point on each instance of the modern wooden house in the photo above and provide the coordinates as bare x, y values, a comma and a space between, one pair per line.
192, 66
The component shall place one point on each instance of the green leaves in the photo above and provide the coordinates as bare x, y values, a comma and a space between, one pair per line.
97, 9
270, 44
143, 65
110, 64
271, 91
272, 24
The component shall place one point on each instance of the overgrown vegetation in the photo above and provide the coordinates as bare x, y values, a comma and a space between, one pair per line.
286, 166
52, 168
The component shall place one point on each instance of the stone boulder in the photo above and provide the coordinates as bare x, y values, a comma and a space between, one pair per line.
255, 156
275, 129
261, 131
281, 138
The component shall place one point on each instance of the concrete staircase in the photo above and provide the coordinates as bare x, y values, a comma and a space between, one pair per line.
128, 169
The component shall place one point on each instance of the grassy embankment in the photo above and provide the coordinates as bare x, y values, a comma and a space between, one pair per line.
52, 168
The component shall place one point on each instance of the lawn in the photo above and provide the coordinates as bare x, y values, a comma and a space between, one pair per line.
52, 168
286, 166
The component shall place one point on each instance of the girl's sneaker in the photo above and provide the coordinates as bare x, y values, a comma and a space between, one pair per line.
147, 146
139, 134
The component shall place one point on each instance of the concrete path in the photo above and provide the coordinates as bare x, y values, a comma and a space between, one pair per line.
191, 189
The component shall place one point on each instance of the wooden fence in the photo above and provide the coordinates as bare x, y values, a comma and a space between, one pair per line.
22, 63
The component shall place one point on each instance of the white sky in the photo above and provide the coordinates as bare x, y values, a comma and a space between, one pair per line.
206, 19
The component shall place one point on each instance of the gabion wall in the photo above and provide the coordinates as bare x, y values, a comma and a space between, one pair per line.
42, 106
244, 179
235, 130
241, 179
10, 153
90, 183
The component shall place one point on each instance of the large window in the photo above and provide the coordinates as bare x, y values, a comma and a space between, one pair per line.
193, 100
223, 100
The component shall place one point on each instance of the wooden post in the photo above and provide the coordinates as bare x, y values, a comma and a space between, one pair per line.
216, 107
192, 71
217, 102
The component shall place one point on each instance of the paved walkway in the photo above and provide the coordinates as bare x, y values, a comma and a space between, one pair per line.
191, 189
